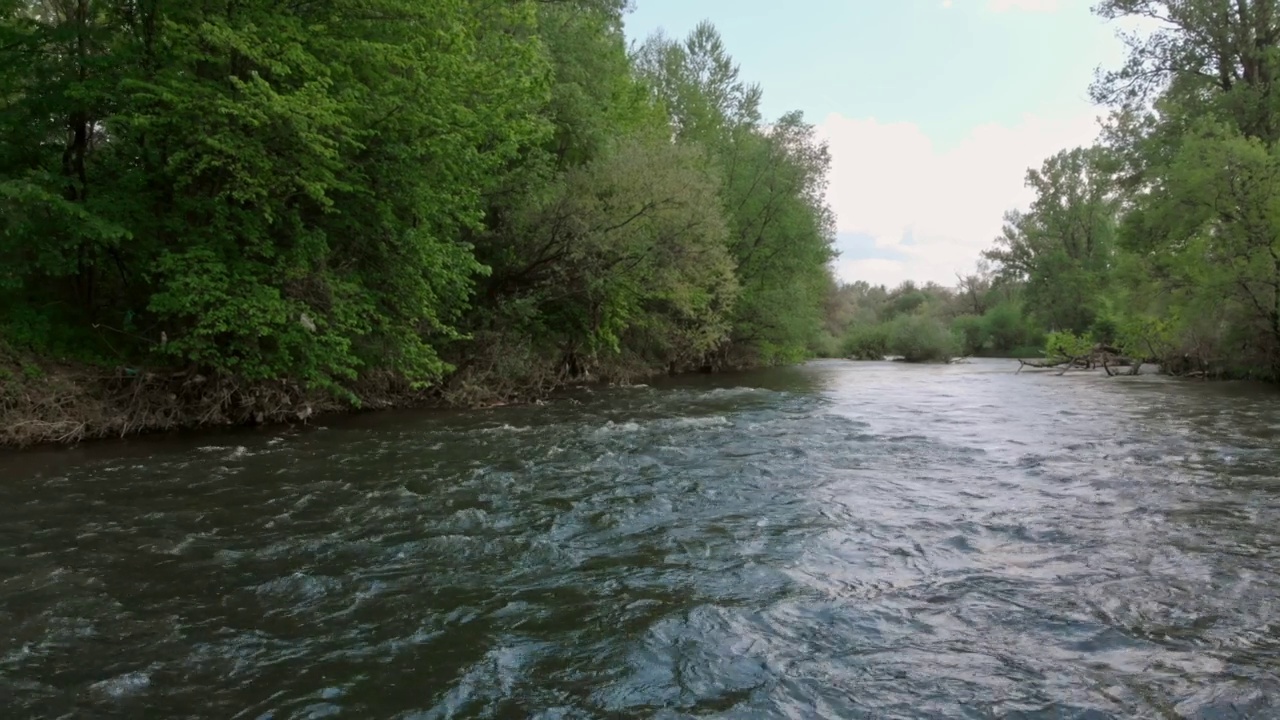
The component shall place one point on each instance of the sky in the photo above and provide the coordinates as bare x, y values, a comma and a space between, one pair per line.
933, 109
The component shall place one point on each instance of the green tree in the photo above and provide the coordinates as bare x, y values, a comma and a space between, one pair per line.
780, 229
1196, 132
260, 190
632, 243
1060, 248
970, 333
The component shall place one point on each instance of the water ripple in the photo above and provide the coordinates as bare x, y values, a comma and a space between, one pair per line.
839, 540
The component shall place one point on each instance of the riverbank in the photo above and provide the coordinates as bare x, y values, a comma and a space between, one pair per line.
48, 402
62, 403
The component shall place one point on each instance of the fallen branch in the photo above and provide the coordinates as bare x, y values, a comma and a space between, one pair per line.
1104, 356
1039, 364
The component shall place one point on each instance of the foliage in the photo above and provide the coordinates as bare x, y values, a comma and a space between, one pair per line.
1196, 139
971, 334
253, 181
863, 316
1059, 248
628, 245
780, 230
1061, 346
919, 338
1008, 328
914, 338
866, 342
332, 191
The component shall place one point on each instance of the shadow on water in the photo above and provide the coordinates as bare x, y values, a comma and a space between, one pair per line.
836, 540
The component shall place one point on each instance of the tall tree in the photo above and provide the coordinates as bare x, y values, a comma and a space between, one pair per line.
1060, 247
1198, 131
258, 189
1214, 57
781, 231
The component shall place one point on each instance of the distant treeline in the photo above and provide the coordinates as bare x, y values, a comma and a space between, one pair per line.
1162, 241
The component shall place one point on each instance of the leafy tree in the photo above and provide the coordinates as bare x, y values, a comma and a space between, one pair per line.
259, 190
1196, 136
1213, 238
1063, 346
971, 334
780, 230
866, 342
1208, 58
341, 193
1060, 248
630, 243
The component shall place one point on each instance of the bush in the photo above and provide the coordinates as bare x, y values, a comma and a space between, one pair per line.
1105, 330
866, 342
1066, 346
971, 333
918, 338
825, 345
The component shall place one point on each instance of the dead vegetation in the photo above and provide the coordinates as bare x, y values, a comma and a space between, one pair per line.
1102, 356
66, 404
62, 403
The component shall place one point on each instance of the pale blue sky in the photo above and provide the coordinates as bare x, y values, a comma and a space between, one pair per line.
934, 109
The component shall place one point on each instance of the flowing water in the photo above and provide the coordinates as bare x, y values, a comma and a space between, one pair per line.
836, 540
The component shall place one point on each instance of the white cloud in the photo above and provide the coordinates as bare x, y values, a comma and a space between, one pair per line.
888, 180
1023, 5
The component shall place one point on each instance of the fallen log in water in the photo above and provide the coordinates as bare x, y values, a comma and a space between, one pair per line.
1038, 364
1104, 356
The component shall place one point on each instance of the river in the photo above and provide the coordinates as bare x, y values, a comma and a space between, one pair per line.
834, 540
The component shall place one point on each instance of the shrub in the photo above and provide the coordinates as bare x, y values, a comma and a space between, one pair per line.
1066, 345
971, 333
825, 345
918, 338
866, 342
1006, 327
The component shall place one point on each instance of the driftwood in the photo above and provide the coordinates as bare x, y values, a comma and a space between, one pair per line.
1103, 356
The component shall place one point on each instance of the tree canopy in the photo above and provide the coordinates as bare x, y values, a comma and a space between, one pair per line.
458, 194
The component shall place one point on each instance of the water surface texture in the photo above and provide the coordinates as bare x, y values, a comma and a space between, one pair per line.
837, 540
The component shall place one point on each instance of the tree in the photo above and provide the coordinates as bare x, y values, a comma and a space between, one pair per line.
975, 289
1060, 248
780, 230
1211, 57
258, 190
1197, 132
632, 242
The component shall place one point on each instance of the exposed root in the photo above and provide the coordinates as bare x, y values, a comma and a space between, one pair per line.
63, 403
66, 405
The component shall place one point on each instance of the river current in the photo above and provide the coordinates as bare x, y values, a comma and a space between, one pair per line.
835, 540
